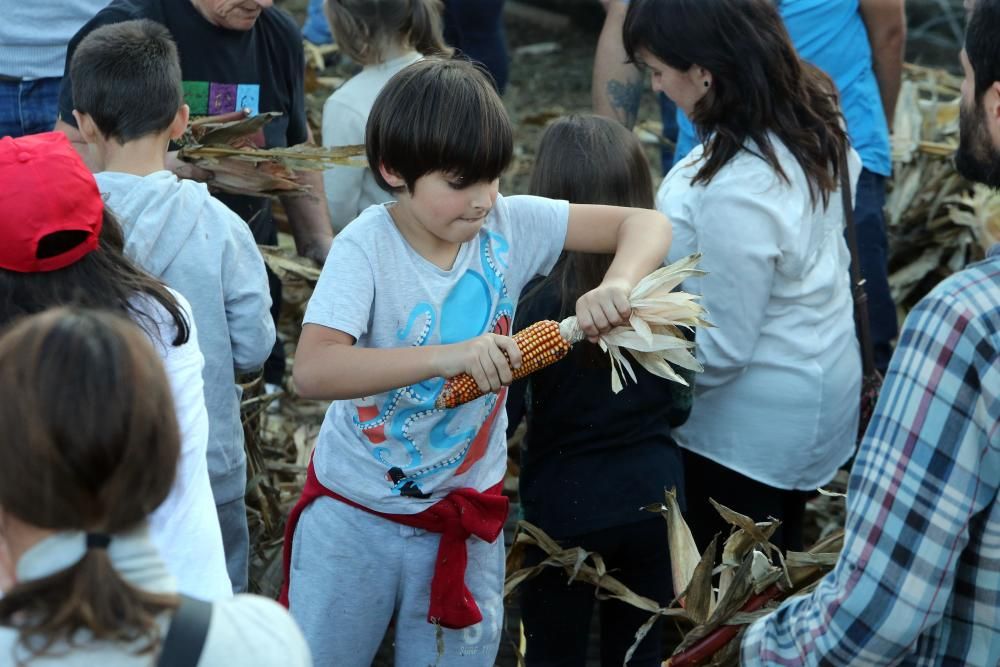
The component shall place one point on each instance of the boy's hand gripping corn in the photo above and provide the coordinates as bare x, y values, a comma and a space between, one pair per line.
541, 344
652, 336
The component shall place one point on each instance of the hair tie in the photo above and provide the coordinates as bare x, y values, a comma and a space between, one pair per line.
98, 540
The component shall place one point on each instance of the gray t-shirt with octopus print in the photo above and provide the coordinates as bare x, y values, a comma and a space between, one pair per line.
394, 452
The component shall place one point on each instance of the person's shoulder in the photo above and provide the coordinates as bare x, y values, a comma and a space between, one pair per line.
254, 630
277, 21
349, 99
747, 173
128, 10
371, 226
198, 195
510, 206
972, 293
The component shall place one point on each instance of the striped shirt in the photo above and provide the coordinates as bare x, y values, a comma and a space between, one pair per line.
918, 581
34, 35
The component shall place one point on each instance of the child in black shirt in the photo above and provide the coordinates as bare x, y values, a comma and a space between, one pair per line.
591, 459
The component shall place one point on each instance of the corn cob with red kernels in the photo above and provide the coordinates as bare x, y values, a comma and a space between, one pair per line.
541, 344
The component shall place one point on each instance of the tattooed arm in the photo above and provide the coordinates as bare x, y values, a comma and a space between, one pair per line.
617, 85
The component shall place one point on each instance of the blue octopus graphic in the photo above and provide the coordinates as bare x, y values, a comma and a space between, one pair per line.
466, 312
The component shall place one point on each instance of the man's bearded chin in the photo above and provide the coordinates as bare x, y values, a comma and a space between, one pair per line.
977, 158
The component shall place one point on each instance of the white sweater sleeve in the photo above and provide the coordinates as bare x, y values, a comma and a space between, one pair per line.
185, 527
342, 126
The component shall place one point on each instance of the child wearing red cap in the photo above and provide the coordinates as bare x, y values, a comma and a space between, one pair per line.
60, 246
129, 105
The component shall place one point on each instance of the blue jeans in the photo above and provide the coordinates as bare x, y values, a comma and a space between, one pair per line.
235, 541
28, 107
869, 221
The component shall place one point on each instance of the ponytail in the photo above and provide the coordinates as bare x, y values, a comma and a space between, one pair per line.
92, 444
89, 595
425, 34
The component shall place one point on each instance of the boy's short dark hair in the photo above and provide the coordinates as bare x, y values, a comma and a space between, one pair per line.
439, 115
127, 78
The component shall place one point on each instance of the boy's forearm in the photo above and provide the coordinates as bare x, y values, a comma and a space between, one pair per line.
332, 371
643, 241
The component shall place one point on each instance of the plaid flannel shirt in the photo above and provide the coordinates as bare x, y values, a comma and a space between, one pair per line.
918, 580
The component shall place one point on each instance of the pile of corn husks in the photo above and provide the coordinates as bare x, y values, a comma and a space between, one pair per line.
753, 576
937, 221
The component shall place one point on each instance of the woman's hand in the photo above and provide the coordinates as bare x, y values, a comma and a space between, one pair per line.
603, 308
485, 358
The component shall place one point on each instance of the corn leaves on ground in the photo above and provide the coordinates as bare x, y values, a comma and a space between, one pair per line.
753, 575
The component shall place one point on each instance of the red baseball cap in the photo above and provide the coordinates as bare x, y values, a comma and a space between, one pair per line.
46, 189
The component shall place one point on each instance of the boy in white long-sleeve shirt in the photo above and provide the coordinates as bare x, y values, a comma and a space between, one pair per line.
129, 106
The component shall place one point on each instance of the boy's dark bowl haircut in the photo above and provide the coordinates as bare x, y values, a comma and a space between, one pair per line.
127, 78
439, 115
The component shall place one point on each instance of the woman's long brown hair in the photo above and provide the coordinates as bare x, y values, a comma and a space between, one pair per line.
760, 86
91, 444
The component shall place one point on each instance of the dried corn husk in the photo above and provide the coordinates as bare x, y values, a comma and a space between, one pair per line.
684, 555
287, 265
652, 336
225, 146
755, 581
937, 221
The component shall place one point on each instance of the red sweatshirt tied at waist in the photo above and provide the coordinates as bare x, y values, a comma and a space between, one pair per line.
458, 516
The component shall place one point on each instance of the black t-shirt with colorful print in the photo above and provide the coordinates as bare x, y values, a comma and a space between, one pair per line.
223, 70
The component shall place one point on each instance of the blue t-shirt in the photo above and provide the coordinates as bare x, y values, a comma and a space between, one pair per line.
831, 35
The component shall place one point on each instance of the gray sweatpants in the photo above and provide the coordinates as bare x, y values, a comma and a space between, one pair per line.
353, 572
235, 541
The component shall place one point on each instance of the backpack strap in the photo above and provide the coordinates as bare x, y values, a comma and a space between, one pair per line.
185, 638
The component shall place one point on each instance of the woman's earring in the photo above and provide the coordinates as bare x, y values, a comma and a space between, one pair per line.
707, 83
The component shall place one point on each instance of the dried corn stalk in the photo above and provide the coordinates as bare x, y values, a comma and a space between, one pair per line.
289, 266
226, 146
753, 577
937, 221
652, 336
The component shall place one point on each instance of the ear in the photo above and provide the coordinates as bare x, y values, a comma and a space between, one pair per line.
179, 124
992, 102
87, 126
700, 76
391, 177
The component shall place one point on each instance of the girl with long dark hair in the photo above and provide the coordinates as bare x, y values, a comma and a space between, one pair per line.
776, 409
590, 459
